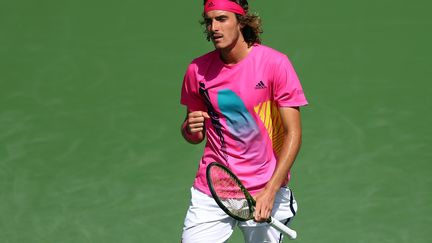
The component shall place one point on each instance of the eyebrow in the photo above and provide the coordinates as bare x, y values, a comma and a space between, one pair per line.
222, 16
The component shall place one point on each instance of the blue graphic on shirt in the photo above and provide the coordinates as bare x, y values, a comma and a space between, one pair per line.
240, 123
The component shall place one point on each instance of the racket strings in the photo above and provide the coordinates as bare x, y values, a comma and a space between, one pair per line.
230, 193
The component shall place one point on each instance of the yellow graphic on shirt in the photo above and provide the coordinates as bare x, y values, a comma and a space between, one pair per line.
269, 113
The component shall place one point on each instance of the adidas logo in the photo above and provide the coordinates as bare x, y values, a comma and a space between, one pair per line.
211, 4
260, 85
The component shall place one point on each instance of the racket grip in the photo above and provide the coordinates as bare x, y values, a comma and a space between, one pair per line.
283, 228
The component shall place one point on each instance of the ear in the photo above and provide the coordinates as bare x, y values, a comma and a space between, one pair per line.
241, 25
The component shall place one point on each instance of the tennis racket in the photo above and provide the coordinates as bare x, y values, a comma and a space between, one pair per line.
233, 198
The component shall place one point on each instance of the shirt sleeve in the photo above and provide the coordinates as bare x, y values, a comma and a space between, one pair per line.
190, 95
287, 89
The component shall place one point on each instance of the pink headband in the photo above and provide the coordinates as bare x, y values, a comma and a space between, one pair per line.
224, 5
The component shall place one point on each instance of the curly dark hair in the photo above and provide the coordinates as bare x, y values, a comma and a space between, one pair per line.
251, 22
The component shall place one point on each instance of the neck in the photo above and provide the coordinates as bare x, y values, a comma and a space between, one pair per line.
235, 53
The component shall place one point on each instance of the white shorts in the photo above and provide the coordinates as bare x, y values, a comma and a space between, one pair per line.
206, 222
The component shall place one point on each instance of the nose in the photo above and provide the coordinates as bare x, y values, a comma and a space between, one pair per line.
214, 26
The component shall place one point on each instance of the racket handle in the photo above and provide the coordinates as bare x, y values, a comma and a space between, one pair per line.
283, 228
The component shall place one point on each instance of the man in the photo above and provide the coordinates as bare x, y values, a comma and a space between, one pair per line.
244, 99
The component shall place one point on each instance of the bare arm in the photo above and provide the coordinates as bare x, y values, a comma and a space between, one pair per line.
291, 146
193, 128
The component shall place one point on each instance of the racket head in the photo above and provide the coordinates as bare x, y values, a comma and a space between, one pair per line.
229, 193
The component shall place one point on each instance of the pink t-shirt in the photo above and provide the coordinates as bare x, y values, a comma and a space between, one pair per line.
245, 131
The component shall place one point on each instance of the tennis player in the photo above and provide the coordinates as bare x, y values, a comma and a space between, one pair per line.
243, 98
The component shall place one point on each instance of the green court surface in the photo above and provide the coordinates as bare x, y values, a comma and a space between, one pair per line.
90, 149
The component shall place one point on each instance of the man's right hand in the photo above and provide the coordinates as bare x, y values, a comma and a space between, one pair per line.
193, 126
195, 121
